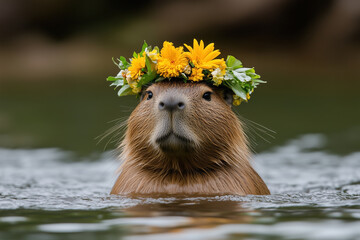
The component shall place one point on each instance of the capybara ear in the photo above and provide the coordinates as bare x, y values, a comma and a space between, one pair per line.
228, 96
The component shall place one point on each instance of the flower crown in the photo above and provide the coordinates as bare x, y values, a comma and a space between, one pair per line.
198, 64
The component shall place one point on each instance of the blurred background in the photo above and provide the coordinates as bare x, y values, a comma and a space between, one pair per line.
55, 56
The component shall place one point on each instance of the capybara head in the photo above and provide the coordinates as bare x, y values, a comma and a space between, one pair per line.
184, 138
181, 126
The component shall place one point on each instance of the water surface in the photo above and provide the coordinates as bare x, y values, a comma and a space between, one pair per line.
53, 194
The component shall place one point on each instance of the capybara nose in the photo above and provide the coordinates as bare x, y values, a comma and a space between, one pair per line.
171, 103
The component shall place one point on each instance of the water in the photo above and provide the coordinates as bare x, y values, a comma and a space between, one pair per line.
63, 192
54, 194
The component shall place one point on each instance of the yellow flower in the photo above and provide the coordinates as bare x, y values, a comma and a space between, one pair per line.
217, 76
203, 58
222, 66
196, 74
135, 89
137, 64
171, 61
236, 100
153, 55
133, 84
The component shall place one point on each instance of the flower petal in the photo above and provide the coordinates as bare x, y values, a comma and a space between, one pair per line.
209, 48
212, 55
201, 44
189, 48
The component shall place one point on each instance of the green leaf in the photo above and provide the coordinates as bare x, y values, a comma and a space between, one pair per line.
146, 78
123, 64
241, 76
117, 83
237, 89
233, 63
135, 55
117, 64
244, 70
111, 78
228, 76
253, 75
259, 81
250, 70
144, 46
150, 65
183, 76
206, 72
159, 79
123, 59
125, 90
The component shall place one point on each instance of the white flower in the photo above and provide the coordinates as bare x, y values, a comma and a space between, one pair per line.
187, 69
217, 76
241, 74
153, 55
128, 76
121, 74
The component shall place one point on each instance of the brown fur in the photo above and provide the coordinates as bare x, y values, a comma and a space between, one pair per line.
215, 161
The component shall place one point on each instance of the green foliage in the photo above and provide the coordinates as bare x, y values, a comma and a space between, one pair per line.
146, 78
184, 77
150, 73
150, 65
159, 79
125, 90
123, 64
237, 89
144, 46
233, 63
111, 78
239, 79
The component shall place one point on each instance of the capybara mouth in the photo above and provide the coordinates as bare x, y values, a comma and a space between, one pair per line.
177, 136
173, 141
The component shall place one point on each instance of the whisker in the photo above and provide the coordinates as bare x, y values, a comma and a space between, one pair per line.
263, 138
261, 130
117, 119
125, 109
257, 124
116, 131
256, 130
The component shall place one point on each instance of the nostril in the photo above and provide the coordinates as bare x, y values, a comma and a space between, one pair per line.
181, 105
171, 105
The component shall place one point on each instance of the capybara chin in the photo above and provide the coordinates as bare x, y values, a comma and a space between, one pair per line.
183, 138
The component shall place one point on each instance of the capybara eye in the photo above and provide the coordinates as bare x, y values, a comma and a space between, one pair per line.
207, 96
150, 95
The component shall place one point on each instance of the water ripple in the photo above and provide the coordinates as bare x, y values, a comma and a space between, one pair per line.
296, 174
315, 195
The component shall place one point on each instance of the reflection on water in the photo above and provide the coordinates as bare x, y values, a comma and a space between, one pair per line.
315, 195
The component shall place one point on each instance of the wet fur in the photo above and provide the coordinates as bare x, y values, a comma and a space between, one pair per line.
218, 162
